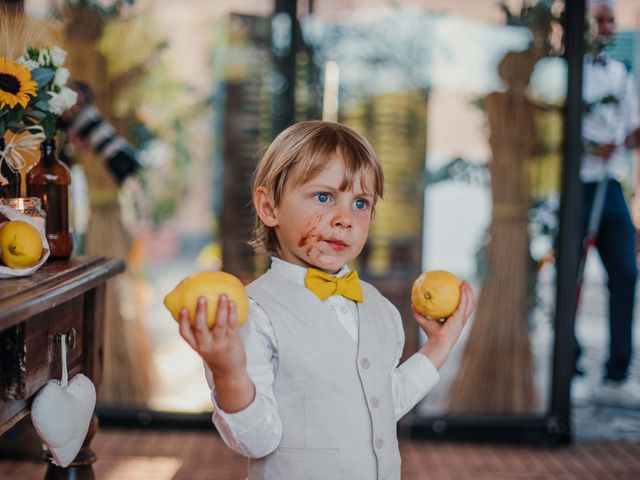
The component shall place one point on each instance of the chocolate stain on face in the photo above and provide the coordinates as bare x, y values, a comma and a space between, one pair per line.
310, 236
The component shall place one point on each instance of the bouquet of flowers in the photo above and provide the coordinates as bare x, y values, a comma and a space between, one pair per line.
32, 97
52, 97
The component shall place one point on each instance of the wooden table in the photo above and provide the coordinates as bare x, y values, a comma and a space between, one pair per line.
62, 297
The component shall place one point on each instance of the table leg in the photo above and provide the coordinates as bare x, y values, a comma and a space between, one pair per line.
81, 468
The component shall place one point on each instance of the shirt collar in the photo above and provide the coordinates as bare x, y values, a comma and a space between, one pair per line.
598, 59
296, 273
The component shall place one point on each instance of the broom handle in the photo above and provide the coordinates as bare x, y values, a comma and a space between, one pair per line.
595, 216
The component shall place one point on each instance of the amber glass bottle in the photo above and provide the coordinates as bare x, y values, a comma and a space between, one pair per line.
11, 189
49, 180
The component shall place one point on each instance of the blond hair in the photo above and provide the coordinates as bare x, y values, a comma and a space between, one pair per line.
300, 153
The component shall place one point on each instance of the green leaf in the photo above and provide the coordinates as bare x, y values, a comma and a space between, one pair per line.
32, 52
42, 97
37, 115
42, 76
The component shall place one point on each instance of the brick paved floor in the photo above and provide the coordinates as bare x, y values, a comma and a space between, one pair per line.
180, 455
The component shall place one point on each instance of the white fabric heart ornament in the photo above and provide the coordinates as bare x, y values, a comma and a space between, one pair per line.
61, 413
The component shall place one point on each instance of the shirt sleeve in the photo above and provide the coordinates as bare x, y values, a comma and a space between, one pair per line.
412, 380
255, 431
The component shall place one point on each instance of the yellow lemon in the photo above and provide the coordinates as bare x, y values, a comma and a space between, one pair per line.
209, 285
21, 244
436, 294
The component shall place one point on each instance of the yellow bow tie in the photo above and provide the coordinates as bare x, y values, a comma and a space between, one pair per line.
325, 285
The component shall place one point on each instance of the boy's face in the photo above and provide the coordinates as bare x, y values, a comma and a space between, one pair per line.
318, 225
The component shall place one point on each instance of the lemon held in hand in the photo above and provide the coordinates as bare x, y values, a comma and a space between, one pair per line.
436, 294
210, 285
21, 244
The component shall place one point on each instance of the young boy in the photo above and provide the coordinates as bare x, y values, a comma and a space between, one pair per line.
310, 387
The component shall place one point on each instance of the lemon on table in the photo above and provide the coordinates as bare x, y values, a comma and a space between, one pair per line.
21, 244
210, 285
436, 294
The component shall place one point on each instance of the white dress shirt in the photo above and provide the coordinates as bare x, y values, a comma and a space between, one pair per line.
608, 122
256, 430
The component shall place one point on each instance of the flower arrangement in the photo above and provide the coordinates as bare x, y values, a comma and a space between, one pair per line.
33, 95
33, 91
52, 97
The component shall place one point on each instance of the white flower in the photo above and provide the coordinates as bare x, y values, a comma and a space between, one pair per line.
58, 56
30, 64
62, 101
61, 77
44, 57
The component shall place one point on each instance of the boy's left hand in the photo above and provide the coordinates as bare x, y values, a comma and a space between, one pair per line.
442, 335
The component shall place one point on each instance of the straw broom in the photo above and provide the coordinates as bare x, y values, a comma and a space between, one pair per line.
496, 370
17, 31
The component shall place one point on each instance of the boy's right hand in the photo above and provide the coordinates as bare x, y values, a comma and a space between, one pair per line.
222, 351
218, 346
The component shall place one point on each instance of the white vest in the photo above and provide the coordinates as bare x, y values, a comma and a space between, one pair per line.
334, 396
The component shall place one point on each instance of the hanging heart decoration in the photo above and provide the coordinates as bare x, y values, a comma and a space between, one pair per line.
61, 413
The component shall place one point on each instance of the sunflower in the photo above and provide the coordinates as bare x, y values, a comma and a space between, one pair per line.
15, 84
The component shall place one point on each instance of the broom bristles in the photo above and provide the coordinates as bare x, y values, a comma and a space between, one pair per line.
496, 369
17, 32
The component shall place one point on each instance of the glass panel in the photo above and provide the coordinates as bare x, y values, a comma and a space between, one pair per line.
464, 92
441, 91
493, 178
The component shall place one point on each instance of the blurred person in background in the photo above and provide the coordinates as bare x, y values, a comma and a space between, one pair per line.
611, 126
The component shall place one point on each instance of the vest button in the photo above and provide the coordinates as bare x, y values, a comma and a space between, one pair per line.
379, 443
364, 363
375, 402
344, 310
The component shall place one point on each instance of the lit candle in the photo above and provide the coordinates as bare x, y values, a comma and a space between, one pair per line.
30, 206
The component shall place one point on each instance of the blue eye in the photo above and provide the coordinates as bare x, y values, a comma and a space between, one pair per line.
322, 197
360, 204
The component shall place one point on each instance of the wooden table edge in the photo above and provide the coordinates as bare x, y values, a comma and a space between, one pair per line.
21, 306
